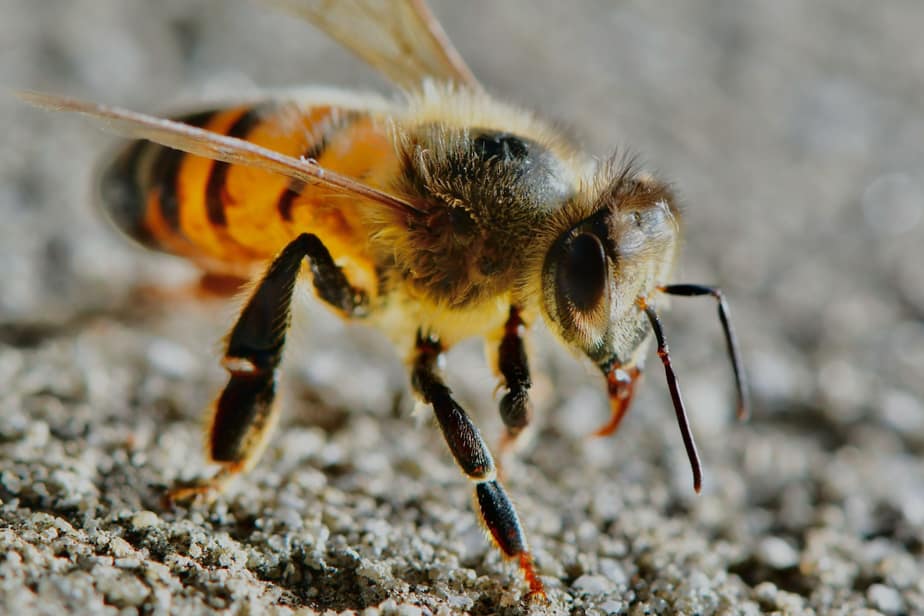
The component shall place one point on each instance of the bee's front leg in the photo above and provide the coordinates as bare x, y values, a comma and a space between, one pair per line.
516, 410
245, 412
495, 510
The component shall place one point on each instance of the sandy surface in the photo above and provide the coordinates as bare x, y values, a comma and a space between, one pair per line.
795, 133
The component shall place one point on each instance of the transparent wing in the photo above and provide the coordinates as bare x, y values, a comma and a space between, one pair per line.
207, 144
400, 38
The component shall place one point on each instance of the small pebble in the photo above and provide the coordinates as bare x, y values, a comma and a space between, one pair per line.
777, 553
766, 592
144, 519
885, 598
120, 548
592, 584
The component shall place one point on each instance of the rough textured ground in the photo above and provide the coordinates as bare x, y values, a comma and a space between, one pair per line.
794, 131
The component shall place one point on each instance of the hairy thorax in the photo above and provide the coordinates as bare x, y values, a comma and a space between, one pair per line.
485, 193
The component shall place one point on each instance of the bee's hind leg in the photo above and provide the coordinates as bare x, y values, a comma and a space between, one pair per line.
245, 412
494, 508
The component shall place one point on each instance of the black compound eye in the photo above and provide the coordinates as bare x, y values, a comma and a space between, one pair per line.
500, 146
581, 276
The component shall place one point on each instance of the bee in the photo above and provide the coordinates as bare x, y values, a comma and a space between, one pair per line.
437, 216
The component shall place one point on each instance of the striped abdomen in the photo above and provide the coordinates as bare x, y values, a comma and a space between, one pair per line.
229, 218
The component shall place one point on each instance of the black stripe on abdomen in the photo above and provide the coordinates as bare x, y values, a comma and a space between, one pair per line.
125, 185
122, 197
334, 123
215, 187
166, 169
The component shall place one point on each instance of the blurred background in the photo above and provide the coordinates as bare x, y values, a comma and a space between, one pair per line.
794, 133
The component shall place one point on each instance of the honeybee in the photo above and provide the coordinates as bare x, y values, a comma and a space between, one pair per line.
438, 216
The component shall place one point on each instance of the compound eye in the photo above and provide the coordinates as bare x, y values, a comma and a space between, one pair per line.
581, 276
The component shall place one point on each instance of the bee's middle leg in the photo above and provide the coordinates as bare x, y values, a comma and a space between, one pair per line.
246, 409
495, 510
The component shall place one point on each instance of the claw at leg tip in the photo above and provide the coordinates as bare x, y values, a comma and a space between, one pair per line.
536, 589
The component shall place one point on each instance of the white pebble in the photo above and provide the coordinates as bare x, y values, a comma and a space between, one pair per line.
885, 598
172, 359
613, 606
777, 553
592, 584
120, 548
144, 519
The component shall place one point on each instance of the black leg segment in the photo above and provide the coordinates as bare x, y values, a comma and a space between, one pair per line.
462, 436
515, 407
259, 334
241, 414
500, 518
244, 413
468, 448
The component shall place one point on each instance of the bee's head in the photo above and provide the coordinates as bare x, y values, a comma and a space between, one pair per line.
611, 253
615, 245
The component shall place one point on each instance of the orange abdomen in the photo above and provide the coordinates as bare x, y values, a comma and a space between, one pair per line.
230, 219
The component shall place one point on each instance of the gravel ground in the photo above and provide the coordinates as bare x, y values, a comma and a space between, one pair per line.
794, 132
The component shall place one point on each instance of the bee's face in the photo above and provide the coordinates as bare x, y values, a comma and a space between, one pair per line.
597, 269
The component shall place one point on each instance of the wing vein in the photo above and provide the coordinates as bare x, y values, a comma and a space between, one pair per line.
200, 142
